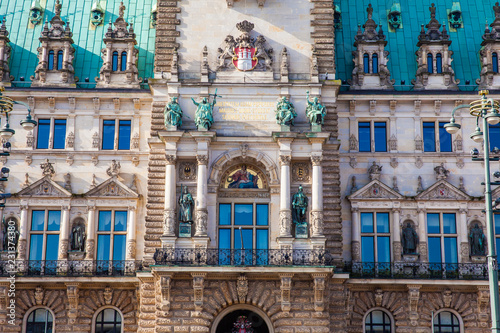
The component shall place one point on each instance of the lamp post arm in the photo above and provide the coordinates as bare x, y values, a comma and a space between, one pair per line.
461, 106
26, 105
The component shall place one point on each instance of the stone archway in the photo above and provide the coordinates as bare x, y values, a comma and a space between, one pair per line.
224, 322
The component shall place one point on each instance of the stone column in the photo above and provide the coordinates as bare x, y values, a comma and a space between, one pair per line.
90, 246
317, 197
64, 241
170, 185
201, 197
396, 235
285, 211
23, 233
422, 235
464, 241
130, 56
131, 227
356, 235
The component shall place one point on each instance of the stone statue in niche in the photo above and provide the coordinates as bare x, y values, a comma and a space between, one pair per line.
173, 113
315, 111
285, 112
477, 241
186, 204
299, 210
203, 118
78, 237
10, 235
409, 240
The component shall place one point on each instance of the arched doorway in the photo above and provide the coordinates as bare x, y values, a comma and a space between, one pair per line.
256, 320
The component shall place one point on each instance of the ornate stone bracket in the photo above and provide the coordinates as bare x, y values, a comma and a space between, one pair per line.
285, 223
39, 292
198, 286
319, 291
72, 290
108, 295
165, 285
483, 303
242, 288
413, 298
286, 286
169, 222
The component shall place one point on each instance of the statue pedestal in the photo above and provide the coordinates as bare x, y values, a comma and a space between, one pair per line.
202, 129
315, 127
171, 128
285, 128
410, 257
478, 259
76, 255
185, 229
301, 230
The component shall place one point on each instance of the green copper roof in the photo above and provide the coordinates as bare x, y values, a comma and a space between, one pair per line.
402, 43
87, 39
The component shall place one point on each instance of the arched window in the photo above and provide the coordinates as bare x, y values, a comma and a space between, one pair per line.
108, 321
375, 63
40, 321
50, 65
429, 63
377, 321
494, 60
123, 62
439, 63
60, 60
366, 65
115, 61
446, 321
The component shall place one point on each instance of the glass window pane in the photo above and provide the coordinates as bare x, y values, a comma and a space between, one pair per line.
429, 136
364, 136
108, 134
124, 135
262, 239
450, 250
42, 140
119, 247
262, 215
497, 241
375, 63
494, 61
103, 244
60, 60
54, 220
52, 247
380, 137
383, 249
435, 249
59, 133
104, 220
377, 317
247, 238
115, 61
429, 62
497, 224
123, 62
444, 139
120, 220
439, 63
224, 214
494, 136
37, 220
367, 250
109, 315
50, 65
366, 222
383, 222
433, 223
243, 214
445, 318
224, 238
36, 246
366, 65
449, 225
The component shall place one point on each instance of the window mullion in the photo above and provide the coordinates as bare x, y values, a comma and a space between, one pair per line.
372, 136
117, 129
51, 133
436, 136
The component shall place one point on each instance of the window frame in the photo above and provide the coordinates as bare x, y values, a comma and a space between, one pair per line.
34, 308
494, 62
438, 146
375, 234
45, 232
375, 63
52, 129
385, 311
453, 312
112, 233
442, 235
116, 137
99, 310
373, 141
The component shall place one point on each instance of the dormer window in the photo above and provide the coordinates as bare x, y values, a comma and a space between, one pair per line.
439, 63
123, 65
59, 60
366, 63
50, 65
494, 60
375, 63
429, 63
115, 61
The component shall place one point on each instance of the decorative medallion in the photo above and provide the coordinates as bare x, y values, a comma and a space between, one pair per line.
187, 171
300, 172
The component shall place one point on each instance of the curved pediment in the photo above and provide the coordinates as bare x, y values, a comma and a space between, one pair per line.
45, 187
375, 190
442, 190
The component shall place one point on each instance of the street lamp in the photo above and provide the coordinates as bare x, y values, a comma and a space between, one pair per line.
487, 109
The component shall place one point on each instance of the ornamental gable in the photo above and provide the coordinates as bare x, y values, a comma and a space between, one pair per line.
44, 187
375, 190
112, 187
442, 190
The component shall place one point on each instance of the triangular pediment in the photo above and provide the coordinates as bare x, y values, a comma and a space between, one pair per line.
375, 190
442, 190
112, 188
45, 187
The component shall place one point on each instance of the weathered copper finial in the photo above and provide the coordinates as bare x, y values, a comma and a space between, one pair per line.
369, 10
58, 8
432, 9
121, 10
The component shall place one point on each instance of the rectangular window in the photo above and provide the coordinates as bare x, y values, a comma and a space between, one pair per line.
44, 235
111, 235
442, 231
118, 131
51, 131
442, 142
379, 139
375, 238
494, 136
